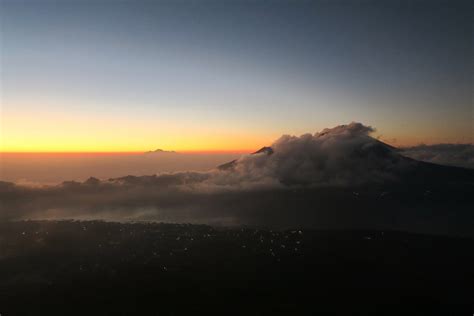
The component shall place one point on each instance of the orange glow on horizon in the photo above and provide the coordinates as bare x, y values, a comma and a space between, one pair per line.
76, 148
64, 133
106, 153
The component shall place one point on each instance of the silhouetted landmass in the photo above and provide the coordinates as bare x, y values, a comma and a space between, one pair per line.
460, 155
264, 150
231, 164
100, 268
160, 151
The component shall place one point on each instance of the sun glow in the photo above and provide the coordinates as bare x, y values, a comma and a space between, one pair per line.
60, 133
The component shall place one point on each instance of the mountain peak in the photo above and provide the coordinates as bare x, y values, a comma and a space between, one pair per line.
265, 150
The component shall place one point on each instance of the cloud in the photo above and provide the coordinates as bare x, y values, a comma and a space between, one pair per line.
339, 177
460, 155
342, 155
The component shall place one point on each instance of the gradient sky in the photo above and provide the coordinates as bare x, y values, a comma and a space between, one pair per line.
231, 75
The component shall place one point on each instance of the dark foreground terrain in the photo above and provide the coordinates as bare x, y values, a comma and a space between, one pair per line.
99, 268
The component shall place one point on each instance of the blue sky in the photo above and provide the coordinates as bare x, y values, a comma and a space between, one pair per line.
228, 74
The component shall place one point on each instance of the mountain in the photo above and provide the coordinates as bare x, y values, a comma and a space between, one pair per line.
344, 155
264, 150
160, 151
231, 164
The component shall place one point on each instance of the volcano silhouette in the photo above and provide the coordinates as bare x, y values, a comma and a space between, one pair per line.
346, 155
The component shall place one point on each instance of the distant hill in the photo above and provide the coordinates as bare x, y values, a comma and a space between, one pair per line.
160, 151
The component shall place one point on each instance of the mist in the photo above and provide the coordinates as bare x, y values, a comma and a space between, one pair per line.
336, 178
54, 168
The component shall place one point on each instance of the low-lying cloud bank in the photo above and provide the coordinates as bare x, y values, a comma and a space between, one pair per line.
318, 180
460, 155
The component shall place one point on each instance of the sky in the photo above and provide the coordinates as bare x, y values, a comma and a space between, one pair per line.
217, 76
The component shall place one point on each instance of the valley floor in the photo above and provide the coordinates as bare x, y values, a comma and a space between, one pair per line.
101, 268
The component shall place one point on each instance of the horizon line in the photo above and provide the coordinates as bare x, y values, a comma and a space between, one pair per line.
136, 152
